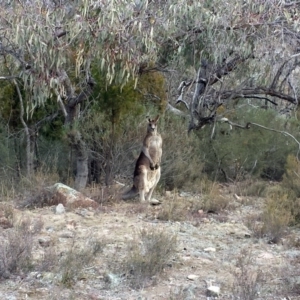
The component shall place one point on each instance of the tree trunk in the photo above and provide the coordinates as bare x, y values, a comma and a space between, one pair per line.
29, 150
81, 154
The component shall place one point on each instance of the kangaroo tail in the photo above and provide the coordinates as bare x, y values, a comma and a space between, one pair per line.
130, 194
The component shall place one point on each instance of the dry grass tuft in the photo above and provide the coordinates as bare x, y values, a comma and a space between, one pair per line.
73, 261
16, 247
148, 255
174, 209
248, 279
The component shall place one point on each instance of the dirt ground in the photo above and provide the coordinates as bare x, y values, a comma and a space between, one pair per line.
212, 249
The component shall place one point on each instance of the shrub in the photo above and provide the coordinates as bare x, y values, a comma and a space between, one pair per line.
75, 259
248, 279
277, 213
214, 201
174, 209
291, 176
148, 255
234, 154
252, 188
16, 249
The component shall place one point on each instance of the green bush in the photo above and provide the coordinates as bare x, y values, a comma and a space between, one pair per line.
291, 177
235, 154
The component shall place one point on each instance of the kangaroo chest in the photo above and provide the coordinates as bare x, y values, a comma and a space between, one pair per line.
154, 146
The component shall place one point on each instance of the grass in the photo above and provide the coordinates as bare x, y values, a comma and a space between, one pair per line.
16, 250
75, 259
248, 279
148, 255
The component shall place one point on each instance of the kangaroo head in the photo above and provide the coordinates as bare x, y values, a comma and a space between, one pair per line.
152, 125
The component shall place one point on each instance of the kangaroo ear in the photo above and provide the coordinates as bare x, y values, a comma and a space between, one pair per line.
157, 118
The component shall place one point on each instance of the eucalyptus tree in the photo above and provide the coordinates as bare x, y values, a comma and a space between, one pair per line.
223, 50
48, 47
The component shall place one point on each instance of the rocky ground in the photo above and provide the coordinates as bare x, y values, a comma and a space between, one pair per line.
216, 256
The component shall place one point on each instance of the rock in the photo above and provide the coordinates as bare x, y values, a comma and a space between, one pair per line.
237, 197
210, 249
192, 277
60, 209
168, 194
213, 291
112, 279
44, 241
70, 198
48, 277
185, 194
5, 223
66, 235
154, 201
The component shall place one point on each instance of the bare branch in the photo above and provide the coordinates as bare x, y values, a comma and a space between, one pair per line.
8, 77
257, 91
175, 111
26, 129
248, 125
279, 72
179, 100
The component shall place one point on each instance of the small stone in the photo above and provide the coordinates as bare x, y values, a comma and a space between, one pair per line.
60, 209
49, 229
192, 277
168, 194
66, 235
237, 197
210, 249
48, 276
200, 211
5, 223
112, 279
185, 194
154, 201
213, 291
44, 241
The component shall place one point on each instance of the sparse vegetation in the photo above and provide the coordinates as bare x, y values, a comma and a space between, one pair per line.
214, 201
173, 209
248, 277
75, 259
148, 255
16, 248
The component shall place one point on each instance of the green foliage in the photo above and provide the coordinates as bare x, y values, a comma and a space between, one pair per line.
114, 101
253, 188
233, 154
152, 87
9, 107
182, 164
291, 176
277, 214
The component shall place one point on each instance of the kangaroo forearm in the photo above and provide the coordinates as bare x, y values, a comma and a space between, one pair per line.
146, 152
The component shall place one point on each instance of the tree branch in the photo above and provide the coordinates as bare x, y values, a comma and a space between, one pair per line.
175, 111
243, 93
248, 125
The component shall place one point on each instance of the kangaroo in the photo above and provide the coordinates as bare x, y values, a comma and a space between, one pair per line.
147, 168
